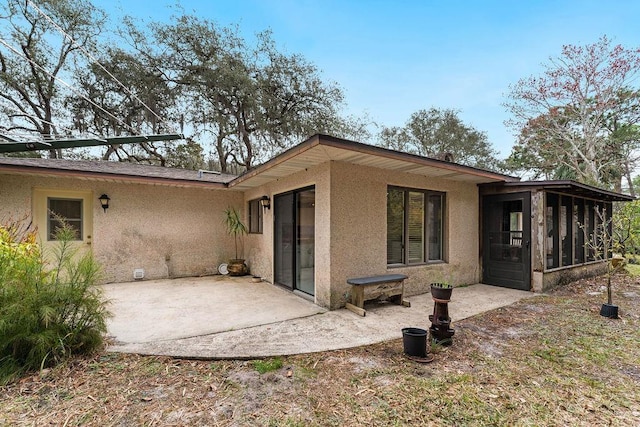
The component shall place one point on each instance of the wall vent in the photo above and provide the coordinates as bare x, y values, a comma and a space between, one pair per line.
138, 274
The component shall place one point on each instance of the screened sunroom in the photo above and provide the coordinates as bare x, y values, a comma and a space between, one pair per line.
538, 234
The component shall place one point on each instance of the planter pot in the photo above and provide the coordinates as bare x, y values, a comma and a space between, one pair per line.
441, 291
609, 310
237, 267
414, 341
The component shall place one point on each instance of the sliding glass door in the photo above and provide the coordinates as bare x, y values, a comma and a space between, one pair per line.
294, 240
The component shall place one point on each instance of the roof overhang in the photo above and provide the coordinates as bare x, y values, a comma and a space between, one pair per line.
15, 146
106, 176
323, 148
573, 188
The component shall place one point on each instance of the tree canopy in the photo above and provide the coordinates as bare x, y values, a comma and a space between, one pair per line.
240, 100
580, 119
250, 97
440, 133
35, 55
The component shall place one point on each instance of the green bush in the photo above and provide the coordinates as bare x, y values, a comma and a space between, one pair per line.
48, 312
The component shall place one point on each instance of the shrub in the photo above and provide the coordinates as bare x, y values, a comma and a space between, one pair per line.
47, 312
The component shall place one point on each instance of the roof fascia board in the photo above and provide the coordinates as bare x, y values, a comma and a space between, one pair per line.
105, 176
568, 185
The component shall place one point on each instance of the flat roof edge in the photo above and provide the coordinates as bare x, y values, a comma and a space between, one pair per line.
568, 184
29, 169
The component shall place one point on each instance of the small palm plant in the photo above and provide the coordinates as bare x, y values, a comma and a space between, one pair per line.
234, 225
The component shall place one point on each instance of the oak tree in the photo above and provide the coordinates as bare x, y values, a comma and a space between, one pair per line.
251, 98
39, 43
440, 133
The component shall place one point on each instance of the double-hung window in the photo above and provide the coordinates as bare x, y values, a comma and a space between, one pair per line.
414, 226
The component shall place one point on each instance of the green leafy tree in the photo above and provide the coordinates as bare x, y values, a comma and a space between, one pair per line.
186, 156
578, 114
34, 55
252, 99
440, 132
129, 95
626, 228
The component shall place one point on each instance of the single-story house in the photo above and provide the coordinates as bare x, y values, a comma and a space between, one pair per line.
333, 209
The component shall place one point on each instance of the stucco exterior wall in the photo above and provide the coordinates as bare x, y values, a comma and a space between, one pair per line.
167, 231
260, 246
350, 220
172, 232
358, 229
15, 198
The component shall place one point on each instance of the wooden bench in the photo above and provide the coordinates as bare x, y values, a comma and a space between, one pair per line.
386, 286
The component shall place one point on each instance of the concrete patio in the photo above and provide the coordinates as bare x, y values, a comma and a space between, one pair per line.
220, 317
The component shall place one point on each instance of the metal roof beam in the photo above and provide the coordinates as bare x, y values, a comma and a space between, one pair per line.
16, 147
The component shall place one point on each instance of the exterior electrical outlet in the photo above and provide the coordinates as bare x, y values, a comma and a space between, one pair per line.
138, 274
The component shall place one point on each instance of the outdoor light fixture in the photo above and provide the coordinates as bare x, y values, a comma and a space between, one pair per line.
265, 202
104, 201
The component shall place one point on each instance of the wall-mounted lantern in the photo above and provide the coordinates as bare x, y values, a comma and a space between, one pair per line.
265, 202
104, 201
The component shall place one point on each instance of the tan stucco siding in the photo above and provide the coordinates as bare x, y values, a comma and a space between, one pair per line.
358, 229
167, 231
170, 232
15, 198
260, 246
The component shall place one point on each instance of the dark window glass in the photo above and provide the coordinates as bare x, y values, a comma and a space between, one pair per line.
414, 226
255, 216
64, 210
552, 233
578, 219
395, 226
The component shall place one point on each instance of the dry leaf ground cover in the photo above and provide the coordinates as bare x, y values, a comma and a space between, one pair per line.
550, 360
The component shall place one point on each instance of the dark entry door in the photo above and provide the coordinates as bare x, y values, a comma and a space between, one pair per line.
294, 240
506, 240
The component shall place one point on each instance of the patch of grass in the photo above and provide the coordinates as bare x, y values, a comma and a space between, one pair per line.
267, 365
633, 270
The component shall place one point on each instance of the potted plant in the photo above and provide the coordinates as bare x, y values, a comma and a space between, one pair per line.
236, 228
441, 291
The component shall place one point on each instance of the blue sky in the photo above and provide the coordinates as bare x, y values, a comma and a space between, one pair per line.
393, 58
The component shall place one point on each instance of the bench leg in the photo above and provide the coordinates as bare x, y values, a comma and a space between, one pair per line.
357, 296
357, 310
